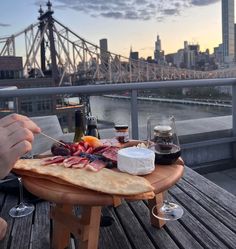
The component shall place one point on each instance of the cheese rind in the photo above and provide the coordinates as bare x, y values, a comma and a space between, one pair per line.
136, 161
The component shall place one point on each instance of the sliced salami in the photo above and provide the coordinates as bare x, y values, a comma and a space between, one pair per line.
51, 160
111, 153
101, 149
96, 165
68, 162
82, 163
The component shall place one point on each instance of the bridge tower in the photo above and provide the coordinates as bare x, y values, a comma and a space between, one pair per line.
42, 45
46, 18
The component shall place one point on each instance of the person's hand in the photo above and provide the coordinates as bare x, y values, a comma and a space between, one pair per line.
16, 137
3, 228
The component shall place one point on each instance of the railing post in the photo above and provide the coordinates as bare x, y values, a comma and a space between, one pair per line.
234, 118
134, 114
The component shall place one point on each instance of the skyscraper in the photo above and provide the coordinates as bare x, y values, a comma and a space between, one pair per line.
228, 30
159, 56
104, 57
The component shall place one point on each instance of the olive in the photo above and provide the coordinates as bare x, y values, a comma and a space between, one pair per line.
59, 150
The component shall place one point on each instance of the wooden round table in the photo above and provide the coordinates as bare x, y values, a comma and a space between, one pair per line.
86, 228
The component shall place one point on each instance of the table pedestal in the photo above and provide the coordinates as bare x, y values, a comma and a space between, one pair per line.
85, 228
157, 200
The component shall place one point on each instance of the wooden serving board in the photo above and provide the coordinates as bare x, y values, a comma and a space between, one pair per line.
58, 191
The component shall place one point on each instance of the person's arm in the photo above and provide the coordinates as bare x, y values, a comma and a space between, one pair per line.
16, 137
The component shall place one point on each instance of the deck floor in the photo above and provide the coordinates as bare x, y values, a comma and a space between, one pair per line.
225, 179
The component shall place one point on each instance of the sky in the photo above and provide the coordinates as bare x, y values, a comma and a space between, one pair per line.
126, 23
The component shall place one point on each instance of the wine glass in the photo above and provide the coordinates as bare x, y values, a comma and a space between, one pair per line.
167, 211
163, 140
22, 209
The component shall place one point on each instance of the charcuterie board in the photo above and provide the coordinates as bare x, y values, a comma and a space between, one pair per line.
78, 186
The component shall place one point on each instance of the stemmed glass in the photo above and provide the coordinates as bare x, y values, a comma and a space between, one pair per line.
22, 209
167, 211
163, 140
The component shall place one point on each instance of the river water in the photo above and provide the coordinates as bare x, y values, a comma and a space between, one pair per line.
118, 110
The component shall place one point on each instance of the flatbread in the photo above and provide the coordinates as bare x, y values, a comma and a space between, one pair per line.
105, 181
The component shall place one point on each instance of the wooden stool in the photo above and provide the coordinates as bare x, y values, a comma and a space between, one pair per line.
86, 227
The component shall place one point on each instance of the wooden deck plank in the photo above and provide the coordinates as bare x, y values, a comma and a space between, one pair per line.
196, 229
133, 229
113, 236
41, 228
21, 232
160, 237
210, 205
9, 202
208, 220
211, 190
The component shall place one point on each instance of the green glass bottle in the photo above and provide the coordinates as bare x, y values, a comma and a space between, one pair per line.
79, 125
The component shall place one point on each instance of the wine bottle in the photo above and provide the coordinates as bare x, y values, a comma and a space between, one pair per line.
92, 129
79, 125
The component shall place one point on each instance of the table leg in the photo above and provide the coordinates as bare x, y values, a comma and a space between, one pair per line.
158, 199
90, 218
85, 228
60, 232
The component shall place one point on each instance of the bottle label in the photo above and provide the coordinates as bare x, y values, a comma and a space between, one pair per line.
122, 137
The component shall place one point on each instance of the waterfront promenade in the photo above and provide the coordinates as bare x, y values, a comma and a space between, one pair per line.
175, 101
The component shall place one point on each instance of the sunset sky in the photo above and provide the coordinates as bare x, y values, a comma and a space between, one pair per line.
126, 23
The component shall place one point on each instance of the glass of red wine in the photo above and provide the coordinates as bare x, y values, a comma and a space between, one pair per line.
163, 140
22, 209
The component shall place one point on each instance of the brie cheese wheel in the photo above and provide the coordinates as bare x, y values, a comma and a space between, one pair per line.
136, 161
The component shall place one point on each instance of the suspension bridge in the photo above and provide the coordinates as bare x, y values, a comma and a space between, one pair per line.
53, 49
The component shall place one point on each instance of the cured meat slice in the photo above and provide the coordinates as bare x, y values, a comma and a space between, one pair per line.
68, 162
96, 165
110, 142
51, 160
82, 163
111, 153
101, 149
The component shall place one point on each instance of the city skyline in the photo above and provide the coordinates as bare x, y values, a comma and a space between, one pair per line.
174, 23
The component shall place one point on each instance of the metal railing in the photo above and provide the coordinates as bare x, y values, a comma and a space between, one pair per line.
133, 88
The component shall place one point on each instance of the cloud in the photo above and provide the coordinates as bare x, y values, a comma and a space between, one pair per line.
130, 9
4, 25
203, 2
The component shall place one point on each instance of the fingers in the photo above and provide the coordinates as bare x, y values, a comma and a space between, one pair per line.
9, 155
19, 149
16, 121
3, 228
21, 126
20, 135
16, 137
7, 120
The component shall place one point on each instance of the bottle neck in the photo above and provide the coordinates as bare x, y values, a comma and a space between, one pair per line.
79, 126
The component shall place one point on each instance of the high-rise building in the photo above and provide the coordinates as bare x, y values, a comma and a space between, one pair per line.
104, 56
133, 55
228, 30
159, 56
